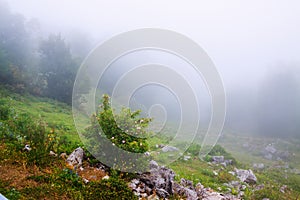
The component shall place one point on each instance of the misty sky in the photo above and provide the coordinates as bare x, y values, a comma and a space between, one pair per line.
245, 39
255, 44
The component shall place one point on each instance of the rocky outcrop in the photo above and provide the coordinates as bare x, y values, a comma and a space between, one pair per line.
217, 159
246, 176
75, 158
159, 183
221, 160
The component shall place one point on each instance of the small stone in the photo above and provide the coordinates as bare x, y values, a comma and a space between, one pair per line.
85, 180
51, 153
63, 155
153, 164
169, 149
186, 158
27, 148
218, 159
283, 188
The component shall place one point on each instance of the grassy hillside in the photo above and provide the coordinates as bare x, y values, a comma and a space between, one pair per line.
57, 115
50, 179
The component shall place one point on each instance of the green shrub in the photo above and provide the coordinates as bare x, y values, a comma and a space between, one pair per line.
21, 130
225, 177
112, 188
218, 150
194, 149
5, 110
125, 130
268, 192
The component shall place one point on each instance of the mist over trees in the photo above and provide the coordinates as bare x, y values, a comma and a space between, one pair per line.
45, 64
30, 62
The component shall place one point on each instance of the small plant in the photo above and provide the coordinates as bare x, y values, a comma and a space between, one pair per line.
125, 130
112, 188
21, 130
194, 149
218, 150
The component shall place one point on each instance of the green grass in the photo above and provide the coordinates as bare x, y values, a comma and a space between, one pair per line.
61, 184
58, 115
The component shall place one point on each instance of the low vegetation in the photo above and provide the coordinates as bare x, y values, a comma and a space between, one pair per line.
36, 175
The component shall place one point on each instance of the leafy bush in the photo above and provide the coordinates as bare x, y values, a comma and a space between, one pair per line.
125, 130
21, 130
218, 150
5, 110
225, 177
112, 188
267, 192
194, 149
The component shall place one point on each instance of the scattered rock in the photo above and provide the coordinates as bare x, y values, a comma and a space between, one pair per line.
186, 158
162, 193
27, 148
160, 146
260, 187
283, 188
215, 173
217, 159
159, 184
188, 192
147, 153
169, 149
246, 176
243, 187
270, 149
153, 164
51, 153
63, 155
75, 158
258, 165
268, 156
85, 181
232, 173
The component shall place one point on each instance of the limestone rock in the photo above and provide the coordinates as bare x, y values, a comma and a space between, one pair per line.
75, 158
246, 176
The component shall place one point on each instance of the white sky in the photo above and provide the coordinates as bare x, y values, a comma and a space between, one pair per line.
245, 39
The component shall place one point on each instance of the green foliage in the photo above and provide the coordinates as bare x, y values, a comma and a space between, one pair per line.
194, 149
123, 129
225, 177
268, 192
21, 130
48, 70
113, 188
5, 110
68, 182
58, 67
10, 193
218, 150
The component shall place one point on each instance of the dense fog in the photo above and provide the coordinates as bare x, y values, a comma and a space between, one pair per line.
255, 46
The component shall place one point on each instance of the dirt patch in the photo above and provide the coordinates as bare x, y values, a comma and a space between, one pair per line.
91, 174
16, 176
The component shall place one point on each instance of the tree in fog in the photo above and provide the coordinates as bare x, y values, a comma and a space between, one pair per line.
14, 42
58, 68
